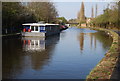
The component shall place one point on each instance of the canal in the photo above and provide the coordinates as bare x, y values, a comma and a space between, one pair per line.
70, 55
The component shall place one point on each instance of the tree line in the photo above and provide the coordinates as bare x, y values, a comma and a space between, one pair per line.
110, 18
14, 14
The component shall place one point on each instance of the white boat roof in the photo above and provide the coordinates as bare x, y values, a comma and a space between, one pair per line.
38, 24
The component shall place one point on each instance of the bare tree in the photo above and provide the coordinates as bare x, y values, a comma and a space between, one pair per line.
43, 11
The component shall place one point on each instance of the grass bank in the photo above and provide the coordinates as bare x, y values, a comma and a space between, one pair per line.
104, 69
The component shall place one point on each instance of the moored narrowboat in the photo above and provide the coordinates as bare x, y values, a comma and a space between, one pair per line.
42, 30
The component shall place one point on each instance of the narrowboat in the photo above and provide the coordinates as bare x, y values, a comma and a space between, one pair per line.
41, 30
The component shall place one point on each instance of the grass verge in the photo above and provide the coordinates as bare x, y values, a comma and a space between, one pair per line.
105, 68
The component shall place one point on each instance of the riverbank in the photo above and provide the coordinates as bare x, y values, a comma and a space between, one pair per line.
106, 68
11, 35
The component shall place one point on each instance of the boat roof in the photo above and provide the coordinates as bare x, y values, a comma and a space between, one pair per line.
38, 24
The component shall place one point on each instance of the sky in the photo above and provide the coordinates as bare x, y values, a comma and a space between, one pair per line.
69, 10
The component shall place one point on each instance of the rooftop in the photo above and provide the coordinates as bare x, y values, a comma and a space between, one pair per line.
38, 24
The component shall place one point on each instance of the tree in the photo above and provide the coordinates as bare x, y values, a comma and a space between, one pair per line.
72, 21
62, 20
10, 13
96, 10
43, 11
119, 13
81, 14
92, 14
110, 18
14, 14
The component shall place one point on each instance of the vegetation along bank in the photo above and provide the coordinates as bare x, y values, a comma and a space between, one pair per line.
104, 69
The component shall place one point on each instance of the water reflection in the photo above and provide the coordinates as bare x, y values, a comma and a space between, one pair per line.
81, 41
70, 55
41, 48
20, 55
103, 38
33, 43
10, 56
93, 37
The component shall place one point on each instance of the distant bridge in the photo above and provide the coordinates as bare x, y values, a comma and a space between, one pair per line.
72, 24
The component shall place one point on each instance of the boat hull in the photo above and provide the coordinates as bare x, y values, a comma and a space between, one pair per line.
28, 34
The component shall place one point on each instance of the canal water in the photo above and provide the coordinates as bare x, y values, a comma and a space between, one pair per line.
72, 54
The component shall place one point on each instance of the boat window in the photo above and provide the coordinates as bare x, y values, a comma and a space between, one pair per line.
36, 28
50, 28
42, 28
32, 28
36, 42
32, 42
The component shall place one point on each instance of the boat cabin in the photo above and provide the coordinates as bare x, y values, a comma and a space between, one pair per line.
37, 29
